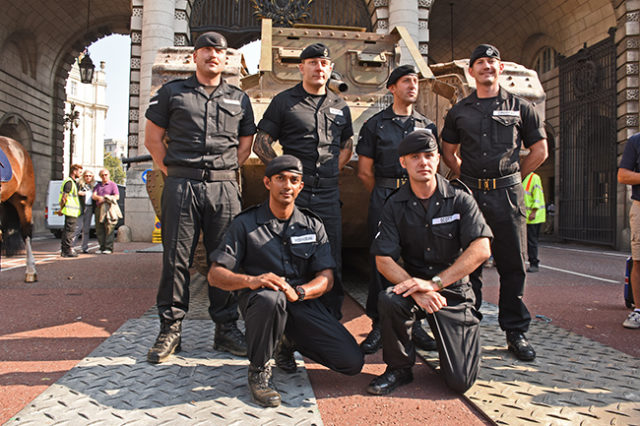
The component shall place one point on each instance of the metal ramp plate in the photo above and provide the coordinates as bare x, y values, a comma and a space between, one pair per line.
573, 380
115, 385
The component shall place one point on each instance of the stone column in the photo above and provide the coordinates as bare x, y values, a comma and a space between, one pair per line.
627, 62
404, 13
152, 28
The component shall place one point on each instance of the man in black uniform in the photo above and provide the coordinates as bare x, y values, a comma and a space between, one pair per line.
287, 264
313, 124
381, 173
490, 126
210, 128
441, 236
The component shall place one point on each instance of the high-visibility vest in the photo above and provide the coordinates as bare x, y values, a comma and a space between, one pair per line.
534, 198
72, 206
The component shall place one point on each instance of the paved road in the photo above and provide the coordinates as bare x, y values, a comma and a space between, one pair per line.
49, 326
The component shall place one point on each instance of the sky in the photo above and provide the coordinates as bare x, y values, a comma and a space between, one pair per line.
115, 50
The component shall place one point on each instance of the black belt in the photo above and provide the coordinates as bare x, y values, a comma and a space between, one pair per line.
202, 174
391, 183
491, 183
318, 182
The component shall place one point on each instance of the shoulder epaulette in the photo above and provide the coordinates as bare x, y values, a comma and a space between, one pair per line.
309, 212
457, 183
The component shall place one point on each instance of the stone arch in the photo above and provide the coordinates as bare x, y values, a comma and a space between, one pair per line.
14, 126
25, 50
103, 27
240, 21
534, 44
512, 25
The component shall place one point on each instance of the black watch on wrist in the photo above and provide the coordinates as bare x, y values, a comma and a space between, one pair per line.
300, 292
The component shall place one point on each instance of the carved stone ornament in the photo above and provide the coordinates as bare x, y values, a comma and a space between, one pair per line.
586, 78
282, 12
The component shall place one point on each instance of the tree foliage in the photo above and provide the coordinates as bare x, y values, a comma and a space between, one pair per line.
114, 165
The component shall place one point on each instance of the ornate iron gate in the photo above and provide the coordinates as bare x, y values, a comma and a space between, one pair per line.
588, 144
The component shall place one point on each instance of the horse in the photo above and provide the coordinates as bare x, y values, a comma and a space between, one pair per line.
16, 205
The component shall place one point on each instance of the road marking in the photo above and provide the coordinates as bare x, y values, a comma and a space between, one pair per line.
606, 253
21, 262
593, 277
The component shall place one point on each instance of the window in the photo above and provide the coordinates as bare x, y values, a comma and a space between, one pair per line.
545, 60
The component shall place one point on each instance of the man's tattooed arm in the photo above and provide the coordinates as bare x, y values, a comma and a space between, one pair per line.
262, 147
346, 152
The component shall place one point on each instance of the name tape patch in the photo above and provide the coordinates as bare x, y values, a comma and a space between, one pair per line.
445, 219
506, 113
231, 101
423, 128
302, 239
336, 111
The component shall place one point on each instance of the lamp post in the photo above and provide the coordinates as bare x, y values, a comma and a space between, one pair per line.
71, 120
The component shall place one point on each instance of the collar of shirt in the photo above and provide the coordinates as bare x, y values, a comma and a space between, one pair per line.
443, 190
264, 216
193, 82
503, 95
388, 114
299, 92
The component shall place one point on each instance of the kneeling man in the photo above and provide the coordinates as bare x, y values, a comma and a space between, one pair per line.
286, 260
441, 235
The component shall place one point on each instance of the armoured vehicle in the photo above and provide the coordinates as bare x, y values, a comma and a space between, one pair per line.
363, 62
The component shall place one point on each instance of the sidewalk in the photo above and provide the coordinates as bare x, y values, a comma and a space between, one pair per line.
54, 324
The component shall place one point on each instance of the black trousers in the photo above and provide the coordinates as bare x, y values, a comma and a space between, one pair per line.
377, 282
504, 212
456, 329
187, 207
325, 202
314, 331
66, 240
533, 234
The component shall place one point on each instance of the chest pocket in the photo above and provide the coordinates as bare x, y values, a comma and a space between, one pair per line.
301, 253
229, 116
446, 241
335, 126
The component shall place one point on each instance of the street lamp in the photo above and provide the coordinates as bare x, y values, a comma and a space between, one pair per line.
86, 64
71, 120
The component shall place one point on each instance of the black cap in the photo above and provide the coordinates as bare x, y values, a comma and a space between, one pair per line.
421, 140
484, 51
401, 71
211, 39
315, 50
285, 162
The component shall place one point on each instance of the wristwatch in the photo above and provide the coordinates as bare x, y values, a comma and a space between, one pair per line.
437, 281
300, 292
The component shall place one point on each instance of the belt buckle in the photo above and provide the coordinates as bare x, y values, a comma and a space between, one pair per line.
487, 184
400, 182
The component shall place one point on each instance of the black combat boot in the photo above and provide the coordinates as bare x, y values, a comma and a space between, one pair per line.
373, 342
262, 389
421, 339
229, 339
167, 342
284, 355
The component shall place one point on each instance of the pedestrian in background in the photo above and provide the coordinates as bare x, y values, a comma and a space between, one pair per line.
536, 216
70, 209
105, 194
85, 193
629, 174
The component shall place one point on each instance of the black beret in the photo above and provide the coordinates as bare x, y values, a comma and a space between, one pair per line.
421, 140
484, 51
401, 71
211, 39
315, 50
285, 162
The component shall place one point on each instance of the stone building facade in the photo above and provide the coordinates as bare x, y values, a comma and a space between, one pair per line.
39, 41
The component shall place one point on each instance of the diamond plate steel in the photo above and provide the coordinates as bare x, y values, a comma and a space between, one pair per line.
115, 385
198, 301
573, 380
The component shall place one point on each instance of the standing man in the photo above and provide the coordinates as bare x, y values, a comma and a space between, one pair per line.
441, 236
490, 126
70, 208
313, 124
286, 263
105, 194
536, 216
381, 173
209, 125
629, 174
